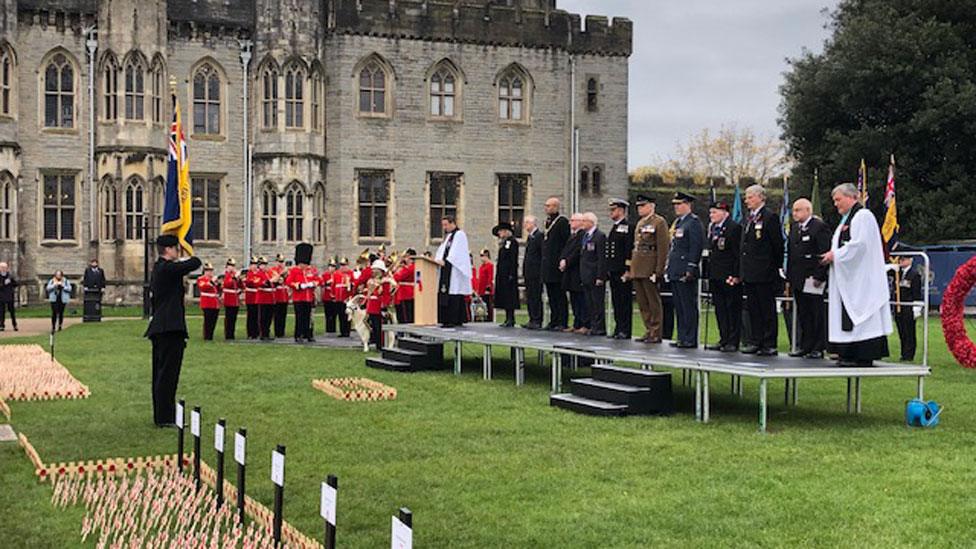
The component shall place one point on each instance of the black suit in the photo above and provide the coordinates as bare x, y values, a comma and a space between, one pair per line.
909, 289
94, 278
7, 285
571, 280
807, 243
724, 241
167, 331
506, 278
762, 257
554, 240
684, 257
532, 273
593, 275
620, 243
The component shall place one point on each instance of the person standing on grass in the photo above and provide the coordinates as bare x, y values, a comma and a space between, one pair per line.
209, 301
7, 285
58, 293
167, 326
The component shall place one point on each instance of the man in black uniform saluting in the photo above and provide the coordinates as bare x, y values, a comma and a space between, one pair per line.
167, 327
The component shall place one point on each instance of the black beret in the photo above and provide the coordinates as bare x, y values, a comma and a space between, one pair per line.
167, 240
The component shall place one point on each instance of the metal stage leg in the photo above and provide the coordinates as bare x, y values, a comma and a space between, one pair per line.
457, 358
848, 395
519, 366
645, 366
542, 357
557, 373
738, 386
732, 383
762, 405
705, 398
486, 363
921, 388
786, 391
698, 394
796, 391
857, 395
575, 362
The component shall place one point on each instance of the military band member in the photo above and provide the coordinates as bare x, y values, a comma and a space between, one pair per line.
649, 256
506, 273
252, 286
404, 297
209, 303
620, 244
485, 287
593, 273
762, 259
379, 295
329, 303
167, 327
277, 273
555, 235
723, 239
684, 257
905, 282
231, 293
302, 281
266, 299
342, 289
809, 239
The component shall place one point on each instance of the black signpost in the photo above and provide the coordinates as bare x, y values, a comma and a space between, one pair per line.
195, 431
330, 491
240, 449
278, 477
219, 446
180, 406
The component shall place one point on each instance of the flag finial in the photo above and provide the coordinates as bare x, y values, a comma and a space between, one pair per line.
172, 84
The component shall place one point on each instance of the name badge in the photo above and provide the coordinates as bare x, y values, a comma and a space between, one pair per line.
806, 238
647, 229
721, 243
680, 233
759, 226
623, 229
590, 247
906, 284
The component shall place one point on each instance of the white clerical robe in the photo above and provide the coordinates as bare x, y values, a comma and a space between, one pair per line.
460, 259
857, 278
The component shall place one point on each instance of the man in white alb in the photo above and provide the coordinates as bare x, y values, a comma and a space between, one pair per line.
859, 319
454, 278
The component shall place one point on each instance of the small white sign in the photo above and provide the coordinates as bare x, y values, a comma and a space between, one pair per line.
195, 423
179, 415
328, 507
278, 468
401, 536
219, 437
240, 443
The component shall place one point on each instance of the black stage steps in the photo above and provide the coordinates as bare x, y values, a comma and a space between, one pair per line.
615, 391
410, 355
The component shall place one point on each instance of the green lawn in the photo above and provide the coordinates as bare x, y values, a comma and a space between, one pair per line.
489, 464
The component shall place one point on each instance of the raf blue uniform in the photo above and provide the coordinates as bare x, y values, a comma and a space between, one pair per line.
687, 240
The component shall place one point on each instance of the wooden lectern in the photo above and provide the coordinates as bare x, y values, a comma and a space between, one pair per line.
425, 279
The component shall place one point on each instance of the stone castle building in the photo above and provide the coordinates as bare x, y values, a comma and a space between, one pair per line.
364, 122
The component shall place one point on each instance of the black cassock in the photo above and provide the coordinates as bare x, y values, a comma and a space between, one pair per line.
506, 275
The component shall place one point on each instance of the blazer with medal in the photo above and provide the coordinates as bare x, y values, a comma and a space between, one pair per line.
620, 243
762, 247
723, 250
806, 245
687, 241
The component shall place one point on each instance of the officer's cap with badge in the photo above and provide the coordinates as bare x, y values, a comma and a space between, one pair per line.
682, 198
207, 266
262, 261
344, 261
642, 199
280, 258
230, 262
619, 203
503, 226
719, 205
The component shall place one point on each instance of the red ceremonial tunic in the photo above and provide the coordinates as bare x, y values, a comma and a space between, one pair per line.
404, 277
378, 298
364, 276
302, 282
231, 289
342, 285
251, 287
260, 281
208, 292
280, 287
486, 279
325, 280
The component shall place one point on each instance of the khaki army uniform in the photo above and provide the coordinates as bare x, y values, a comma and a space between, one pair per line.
651, 243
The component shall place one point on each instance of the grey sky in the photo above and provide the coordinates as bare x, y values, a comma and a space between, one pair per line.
703, 63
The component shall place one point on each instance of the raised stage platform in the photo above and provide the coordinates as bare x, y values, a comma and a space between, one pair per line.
697, 364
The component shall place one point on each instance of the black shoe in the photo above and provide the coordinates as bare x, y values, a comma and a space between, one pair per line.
750, 350
713, 347
815, 355
531, 326
623, 337
674, 343
16, 329
729, 348
683, 345
510, 324
311, 340
598, 334
797, 354
767, 352
855, 363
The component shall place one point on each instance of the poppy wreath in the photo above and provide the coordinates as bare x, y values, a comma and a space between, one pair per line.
953, 304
